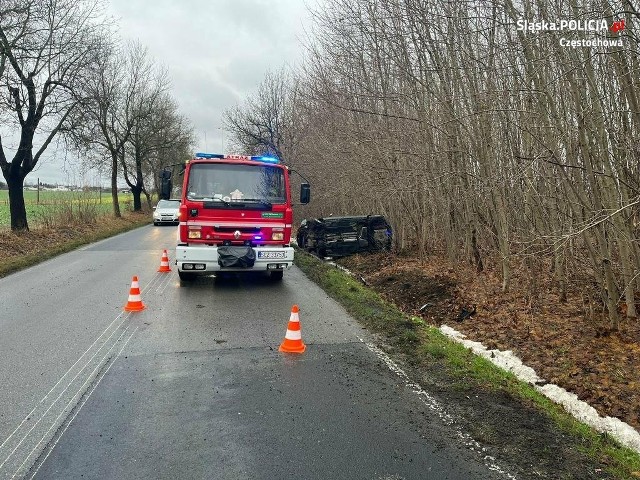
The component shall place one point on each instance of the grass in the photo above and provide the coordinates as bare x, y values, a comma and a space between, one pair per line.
425, 344
50, 203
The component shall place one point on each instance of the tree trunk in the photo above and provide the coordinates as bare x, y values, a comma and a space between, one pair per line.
139, 186
477, 258
148, 197
16, 202
559, 261
114, 186
136, 191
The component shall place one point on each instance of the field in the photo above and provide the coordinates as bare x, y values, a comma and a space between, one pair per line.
56, 205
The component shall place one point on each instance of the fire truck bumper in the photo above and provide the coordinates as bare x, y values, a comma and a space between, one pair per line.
206, 259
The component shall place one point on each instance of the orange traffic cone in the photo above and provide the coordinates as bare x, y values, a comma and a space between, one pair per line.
134, 304
164, 263
292, 342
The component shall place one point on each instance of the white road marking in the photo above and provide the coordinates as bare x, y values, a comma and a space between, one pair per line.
154, 279
60, 380
434, 405
43, 414
97, 382
167, 280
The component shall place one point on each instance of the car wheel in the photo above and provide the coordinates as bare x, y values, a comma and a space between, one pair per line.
277, 275
186, 276
155, 224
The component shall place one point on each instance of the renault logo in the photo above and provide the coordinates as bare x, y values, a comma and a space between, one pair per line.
236, 234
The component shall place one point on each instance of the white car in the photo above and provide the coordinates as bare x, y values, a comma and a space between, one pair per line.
166, 212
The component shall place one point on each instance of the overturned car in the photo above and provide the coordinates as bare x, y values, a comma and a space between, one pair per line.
342, 236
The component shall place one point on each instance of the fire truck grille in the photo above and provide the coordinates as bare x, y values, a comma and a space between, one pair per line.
234, 229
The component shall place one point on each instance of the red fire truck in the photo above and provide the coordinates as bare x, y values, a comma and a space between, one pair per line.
235, 215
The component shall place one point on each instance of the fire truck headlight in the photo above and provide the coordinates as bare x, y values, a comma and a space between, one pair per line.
195, 234
277, 236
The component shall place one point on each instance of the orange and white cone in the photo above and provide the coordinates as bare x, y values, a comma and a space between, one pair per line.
134, 304
292, 342
164, 263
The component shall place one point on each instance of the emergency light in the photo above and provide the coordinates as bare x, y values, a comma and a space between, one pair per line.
266, 159
254, 158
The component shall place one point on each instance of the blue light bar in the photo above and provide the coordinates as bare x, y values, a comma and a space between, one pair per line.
272, 160
209, 155
266, 159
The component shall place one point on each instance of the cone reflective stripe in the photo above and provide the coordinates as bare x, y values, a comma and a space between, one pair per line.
164, 263
134, 304
292, 342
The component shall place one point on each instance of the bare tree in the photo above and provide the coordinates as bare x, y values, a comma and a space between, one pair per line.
45, 46
479, 140
159, 138
119, 94
262, 123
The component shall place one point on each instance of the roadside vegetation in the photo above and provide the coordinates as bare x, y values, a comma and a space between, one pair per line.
46, 208
508, 416
479, 141
62, 221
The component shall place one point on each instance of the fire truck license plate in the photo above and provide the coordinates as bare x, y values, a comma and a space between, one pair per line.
271, 255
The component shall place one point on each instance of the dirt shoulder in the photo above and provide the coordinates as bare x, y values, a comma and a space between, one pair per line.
557, 339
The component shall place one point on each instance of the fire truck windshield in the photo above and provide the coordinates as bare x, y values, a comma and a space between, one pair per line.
227, 183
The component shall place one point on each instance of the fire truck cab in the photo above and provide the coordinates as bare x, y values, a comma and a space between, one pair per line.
235, 215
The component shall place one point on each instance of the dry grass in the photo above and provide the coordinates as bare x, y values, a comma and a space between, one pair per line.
563, 341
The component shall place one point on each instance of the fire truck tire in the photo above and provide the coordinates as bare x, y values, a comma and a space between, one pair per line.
186, 276
277, 276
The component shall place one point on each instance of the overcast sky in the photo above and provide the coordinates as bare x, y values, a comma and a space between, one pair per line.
216, 53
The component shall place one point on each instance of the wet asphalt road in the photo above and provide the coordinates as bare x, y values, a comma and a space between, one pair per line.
194, 387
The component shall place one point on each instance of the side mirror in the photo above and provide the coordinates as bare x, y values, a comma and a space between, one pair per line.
165, 189
165, 185
305, 193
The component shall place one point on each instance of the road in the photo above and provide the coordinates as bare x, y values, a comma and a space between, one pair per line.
194, 385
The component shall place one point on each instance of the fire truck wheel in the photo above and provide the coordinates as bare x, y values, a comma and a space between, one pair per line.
186, 276
277, 275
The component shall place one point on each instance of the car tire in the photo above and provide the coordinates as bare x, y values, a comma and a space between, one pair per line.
186, 276
155, 224
277, 275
